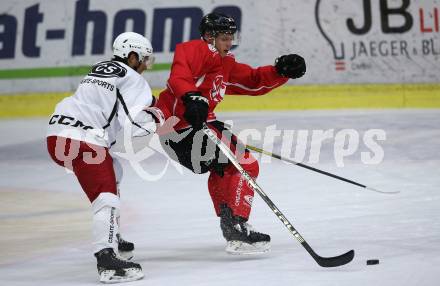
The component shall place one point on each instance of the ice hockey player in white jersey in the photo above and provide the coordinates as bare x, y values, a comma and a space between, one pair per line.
81, 131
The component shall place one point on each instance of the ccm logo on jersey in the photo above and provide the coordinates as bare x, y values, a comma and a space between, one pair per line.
67, 120
108, 69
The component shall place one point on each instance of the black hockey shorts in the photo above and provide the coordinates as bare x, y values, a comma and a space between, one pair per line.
196, 152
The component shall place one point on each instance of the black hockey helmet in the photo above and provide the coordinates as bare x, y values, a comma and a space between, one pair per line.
215, 23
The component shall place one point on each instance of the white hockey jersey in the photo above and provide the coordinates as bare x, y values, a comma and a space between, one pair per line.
109, 97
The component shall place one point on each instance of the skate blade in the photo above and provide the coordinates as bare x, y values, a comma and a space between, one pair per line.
242, 248
110, 276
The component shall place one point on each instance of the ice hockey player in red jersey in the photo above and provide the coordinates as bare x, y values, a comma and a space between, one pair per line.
81, 131
203, 71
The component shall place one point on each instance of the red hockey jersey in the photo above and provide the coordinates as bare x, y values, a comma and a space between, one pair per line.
197, 66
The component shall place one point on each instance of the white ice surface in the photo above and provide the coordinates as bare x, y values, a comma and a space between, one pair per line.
45, 217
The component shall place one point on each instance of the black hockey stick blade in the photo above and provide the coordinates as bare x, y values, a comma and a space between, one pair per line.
334, 261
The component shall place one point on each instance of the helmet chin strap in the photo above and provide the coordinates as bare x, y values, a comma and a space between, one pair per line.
209, 38
137, 68
137, 65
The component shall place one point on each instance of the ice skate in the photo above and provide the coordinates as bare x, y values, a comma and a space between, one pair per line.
125, 248
240, 236
113, 269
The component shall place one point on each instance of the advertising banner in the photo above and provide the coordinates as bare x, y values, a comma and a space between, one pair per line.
49, 45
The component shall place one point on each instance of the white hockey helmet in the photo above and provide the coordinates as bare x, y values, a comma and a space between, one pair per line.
132, 42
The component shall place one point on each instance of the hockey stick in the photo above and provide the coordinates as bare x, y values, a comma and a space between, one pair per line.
276, 156
322, 261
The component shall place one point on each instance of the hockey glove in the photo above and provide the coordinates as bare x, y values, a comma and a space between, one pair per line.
291, 66
196, 109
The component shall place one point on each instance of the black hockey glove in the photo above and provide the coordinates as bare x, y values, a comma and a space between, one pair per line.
292, 66
196, 109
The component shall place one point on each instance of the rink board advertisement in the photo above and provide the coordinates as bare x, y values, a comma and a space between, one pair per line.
48, 45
